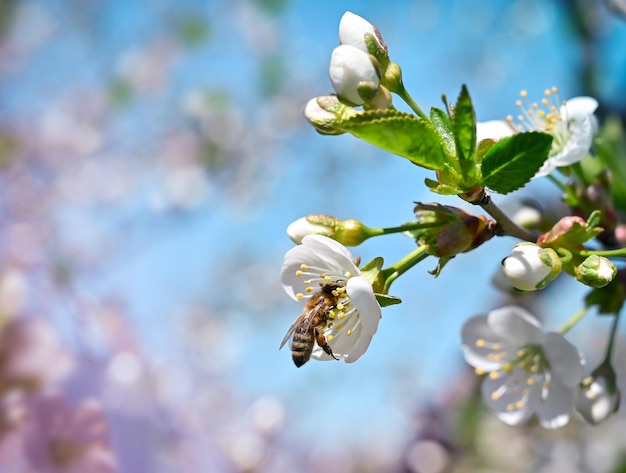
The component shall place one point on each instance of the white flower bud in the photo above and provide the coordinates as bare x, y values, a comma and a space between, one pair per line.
321, 119
530, 267
596, 271
303, 227
350, 68
598, 398
352, 31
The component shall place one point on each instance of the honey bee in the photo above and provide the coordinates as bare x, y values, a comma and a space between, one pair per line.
309, 326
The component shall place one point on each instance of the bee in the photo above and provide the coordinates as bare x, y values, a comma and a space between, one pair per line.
309, 326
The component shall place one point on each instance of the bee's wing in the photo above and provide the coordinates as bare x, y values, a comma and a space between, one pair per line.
304, 319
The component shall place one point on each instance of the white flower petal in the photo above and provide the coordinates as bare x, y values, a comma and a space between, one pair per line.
502, 393
578, 108
477, 328
362, 297
515, 323
556, 410
337, 256
566, 362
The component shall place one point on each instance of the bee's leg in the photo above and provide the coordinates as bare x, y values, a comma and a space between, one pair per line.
321, 341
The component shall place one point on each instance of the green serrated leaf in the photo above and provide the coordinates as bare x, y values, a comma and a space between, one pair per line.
399, 133
384, 300
441, 121
513, 161
464, 127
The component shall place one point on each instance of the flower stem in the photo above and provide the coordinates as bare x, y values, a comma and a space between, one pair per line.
609, 347
401, 91
402, 228
394, 271
573, 321
507, 226
618, 253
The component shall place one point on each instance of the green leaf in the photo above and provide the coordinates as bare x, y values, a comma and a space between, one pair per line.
443, 189
441, 121
513, 161
464, 127
384, 300
399, 133
372, 269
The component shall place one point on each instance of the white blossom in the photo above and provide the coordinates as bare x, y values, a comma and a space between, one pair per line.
350, 67
528, 372
571, 123
319, 260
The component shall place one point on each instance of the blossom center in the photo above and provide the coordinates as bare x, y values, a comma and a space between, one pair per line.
527, 370
316, 277
547, 116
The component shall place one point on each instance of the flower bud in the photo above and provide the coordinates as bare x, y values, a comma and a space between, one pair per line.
352, 31
596, 271
569, 231
599, 396
530, 267
360, 33
454, 230
347, 232
321, 119
350, 68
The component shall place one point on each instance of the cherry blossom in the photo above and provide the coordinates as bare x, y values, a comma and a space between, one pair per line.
528, 372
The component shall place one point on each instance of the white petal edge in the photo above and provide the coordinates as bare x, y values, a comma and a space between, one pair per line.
566, 362
516, 324
362, 297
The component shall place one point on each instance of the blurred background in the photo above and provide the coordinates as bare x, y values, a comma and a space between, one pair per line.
152, 153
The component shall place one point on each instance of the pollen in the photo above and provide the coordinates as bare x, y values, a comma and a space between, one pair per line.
304, 267
308, 281
299, 296
299, 273
339, 327
494, 375
349, 332
309, 289
495, 396
340, 306
480, 343
329, 338
479, 371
